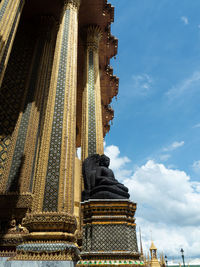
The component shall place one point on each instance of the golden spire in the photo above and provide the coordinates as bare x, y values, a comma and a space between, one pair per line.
153, 247
141, 249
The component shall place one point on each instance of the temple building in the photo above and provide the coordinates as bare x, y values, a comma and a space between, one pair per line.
56, 86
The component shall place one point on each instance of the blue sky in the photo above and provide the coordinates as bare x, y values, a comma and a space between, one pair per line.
158, 51
156, 127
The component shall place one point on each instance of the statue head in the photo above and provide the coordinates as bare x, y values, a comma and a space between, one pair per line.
13, 222
104, 161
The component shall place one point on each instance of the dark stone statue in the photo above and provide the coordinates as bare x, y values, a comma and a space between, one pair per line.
99, 180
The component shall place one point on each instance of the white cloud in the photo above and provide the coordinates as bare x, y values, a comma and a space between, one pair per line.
196, 166
174, 146
165, 157
142, 84
196, 125
117, 163
195, 261
168, 205
185, 20
186, 86
168, 193
170, 239
78, 152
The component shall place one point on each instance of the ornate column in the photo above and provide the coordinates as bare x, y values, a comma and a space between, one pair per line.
19, 167
10, 12
92, 129
52, 216
54, 177
35, 55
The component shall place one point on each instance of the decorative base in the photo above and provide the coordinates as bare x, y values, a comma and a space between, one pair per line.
49, 236
46, 251
109, 233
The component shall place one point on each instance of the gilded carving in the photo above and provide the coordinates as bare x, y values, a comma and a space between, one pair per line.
16, 229
94, 35
44, 256
45, 221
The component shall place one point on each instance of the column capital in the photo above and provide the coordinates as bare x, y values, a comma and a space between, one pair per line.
94, 35
72, 4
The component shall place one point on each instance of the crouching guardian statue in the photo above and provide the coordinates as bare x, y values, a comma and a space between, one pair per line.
99, 180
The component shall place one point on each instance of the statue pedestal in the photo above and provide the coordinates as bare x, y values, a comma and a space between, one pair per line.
109, 233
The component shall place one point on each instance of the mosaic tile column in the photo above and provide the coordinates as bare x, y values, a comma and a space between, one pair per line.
10, 12
19, 167
54, 177
92, 129
54, 185
51, 223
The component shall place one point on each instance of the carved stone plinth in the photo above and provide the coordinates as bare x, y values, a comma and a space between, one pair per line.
51, 236
109, 234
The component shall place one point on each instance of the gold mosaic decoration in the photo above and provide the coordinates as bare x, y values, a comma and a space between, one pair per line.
53, 169
91, 108
3, 8
12, 101
92, 131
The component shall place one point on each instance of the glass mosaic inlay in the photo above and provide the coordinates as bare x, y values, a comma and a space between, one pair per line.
3, 9
91, 107
50, 247
53, 169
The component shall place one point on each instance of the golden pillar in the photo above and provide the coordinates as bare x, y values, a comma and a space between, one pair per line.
10, 12
54, 176
24, 142
52, 216
92, 128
